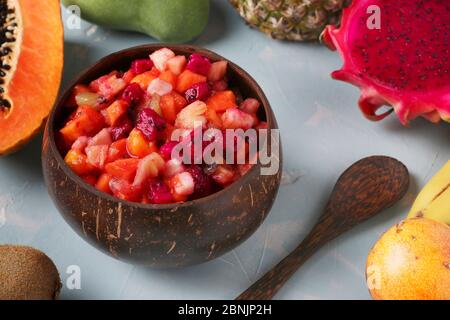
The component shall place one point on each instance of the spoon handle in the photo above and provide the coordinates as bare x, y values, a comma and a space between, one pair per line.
269, 284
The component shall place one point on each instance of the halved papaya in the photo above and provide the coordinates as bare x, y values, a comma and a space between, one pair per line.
31, 55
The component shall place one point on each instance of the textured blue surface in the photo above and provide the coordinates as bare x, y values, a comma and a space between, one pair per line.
323, 133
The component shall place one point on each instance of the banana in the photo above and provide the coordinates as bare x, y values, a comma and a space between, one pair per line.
433, 201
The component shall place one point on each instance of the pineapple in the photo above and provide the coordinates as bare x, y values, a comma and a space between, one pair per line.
298, 20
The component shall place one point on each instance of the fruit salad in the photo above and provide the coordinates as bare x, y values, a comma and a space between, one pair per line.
119, 138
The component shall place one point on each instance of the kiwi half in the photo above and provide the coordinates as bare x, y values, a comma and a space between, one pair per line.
27, 274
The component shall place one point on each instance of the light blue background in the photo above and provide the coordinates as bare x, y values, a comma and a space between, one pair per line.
323, 133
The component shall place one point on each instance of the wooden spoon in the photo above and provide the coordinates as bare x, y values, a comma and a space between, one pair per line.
364, 190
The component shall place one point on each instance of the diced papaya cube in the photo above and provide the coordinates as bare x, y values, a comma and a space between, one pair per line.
187, 79
77, 161
124, 169
116, 110
213, 118
170, 105
128, 76
117, 150
144, 79
102, 183
222, 101
138, 146
169, 77
86, 122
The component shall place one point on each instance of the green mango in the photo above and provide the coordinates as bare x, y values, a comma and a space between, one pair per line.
166, 20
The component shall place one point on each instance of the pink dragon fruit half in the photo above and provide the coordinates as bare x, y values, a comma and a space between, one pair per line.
398, 53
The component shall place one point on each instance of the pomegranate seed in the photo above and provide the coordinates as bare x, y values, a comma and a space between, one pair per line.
199, 91
158, 192
133, 93
122, 129
149, 123
199, 64
141, 65
202, 182
167, 148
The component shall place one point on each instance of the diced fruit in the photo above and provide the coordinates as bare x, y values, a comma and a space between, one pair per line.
138, 145
121, 136
166, 149
103, 183
86, 122
220, 85
182, 184
115, 111
118, 150
159, 192
122, 128
199, 64
124, 190
128, 76
250, 106
90, 179
202, 182
149, 123
77, 161
159, 87
173, 167
109, 86
87, 98
221, 101
224, 175
237, 119
144, 79
217, 71
101, 138
199, 91
170, 105
177, 64
166, 134
141, 65
192, 116
97, 155
213, 119
160, 58
124, 169
187, 79
80, 144
169, 77
133, 93
78, 89
155, 104
149, 167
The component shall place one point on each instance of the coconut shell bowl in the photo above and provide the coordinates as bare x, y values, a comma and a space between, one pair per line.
160, 236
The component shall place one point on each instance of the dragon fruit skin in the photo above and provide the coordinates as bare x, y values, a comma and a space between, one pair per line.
405, 63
